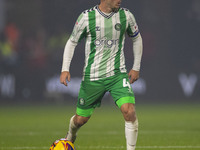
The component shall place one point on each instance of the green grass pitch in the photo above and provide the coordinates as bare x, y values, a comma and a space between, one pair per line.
174, 127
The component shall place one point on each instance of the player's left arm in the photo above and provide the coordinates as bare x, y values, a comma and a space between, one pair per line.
135, 35
137, 52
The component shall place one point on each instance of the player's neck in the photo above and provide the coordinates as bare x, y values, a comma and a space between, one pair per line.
104, 8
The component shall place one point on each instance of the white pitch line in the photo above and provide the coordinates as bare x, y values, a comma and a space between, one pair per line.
106, 147
33, 133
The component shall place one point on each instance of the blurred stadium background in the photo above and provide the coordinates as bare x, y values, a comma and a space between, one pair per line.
33, 35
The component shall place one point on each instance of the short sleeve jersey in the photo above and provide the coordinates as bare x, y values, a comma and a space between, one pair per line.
105, 36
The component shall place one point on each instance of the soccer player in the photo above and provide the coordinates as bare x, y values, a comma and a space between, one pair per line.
104, 27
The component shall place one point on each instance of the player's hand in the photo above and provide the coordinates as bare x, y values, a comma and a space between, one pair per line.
133, 76
64, 77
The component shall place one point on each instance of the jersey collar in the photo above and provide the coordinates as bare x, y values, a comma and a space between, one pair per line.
103, 14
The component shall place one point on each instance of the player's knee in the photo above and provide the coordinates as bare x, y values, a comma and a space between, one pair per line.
128, 112
80, 121
129, 115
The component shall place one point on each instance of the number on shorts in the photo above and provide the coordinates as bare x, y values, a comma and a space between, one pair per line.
126, 83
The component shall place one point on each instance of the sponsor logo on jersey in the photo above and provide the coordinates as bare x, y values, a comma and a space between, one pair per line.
106, 42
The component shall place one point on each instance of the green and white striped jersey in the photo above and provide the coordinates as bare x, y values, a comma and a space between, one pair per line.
105, 36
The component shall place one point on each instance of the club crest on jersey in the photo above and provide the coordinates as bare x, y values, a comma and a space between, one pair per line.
118, 27
82, 101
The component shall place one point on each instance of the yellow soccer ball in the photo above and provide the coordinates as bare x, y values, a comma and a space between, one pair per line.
62, 144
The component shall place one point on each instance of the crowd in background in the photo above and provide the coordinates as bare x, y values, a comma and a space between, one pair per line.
29, 59
30, 51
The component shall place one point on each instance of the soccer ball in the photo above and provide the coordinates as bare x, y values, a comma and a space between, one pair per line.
62, 144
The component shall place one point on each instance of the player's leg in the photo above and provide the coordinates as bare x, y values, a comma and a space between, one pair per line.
131, 125
128, 111
82, 116
124, 98
75, 123
89, 98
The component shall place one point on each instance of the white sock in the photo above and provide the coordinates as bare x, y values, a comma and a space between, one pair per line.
131, 133
72, 129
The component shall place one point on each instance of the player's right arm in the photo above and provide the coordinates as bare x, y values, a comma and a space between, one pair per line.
77, 34
64, 77
67, 57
